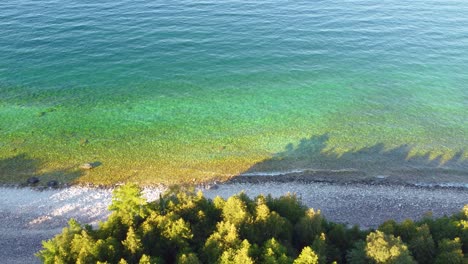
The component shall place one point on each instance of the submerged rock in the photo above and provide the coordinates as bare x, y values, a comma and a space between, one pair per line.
90, 165
86, 166
52, 184
32, 180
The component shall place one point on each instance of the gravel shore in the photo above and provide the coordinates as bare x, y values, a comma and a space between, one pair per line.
29, 216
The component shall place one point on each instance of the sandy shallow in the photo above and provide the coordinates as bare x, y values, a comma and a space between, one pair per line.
29, 216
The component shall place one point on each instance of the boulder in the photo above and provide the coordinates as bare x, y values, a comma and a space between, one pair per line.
32, 180
52, 184
86, 166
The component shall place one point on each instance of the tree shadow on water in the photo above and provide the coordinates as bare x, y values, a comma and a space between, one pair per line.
313, 159
18, 169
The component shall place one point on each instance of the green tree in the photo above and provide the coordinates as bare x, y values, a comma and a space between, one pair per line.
288, 206
319, 246
199, 212
357, 255
82, 246
339, 240
58, 249
108, 249
266, 224
422, 245
389, 227
187, 258
133, 245
382, 248
128, 203
239, 255
274, 253
308, 228
235, 211
449, 252
225, 237
307, 256
174, 235
145, 259
443, 227
406, 230
184, 227
462, 224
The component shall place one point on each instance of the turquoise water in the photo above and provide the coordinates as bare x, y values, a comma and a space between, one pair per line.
158, 89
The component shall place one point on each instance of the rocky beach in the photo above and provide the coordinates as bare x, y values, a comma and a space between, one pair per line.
28, 216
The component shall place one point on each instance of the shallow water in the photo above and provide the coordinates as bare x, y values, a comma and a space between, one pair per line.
155, 90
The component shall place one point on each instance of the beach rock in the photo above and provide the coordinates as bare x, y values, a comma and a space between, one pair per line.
86, 166
52, 184
32, 180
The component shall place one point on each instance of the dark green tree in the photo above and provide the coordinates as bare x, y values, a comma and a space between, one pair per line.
449, 252
308, 228
422, 245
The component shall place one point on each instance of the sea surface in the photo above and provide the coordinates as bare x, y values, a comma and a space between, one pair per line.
153, 91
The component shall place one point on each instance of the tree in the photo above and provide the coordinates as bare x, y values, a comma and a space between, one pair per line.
58, 249
406, 230
382, 248
422, 245
83, 248
357, 255
288, 206
235, 256
266, 224
389, 227
145, 259
241, 230
320, 248
449, 252
308, 228
225, 237
173, 235
307, 256
128, 203
235, 211
188, 258
133, 245
274, 253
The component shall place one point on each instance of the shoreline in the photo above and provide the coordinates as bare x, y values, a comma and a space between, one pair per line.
416, 177
28, 216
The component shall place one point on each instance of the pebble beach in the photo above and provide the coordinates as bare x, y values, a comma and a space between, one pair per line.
28, 216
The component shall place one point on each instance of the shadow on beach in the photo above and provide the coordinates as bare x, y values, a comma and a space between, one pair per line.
18, 169
311, 160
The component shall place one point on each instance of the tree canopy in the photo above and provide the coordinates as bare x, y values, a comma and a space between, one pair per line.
185, 227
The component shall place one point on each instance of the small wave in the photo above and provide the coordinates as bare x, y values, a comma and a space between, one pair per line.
281, 173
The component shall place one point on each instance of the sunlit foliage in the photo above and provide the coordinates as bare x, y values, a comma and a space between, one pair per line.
185, 227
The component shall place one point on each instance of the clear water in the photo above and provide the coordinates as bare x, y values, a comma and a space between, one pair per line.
161, 89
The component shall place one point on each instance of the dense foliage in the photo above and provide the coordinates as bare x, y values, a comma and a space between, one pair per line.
184, 227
